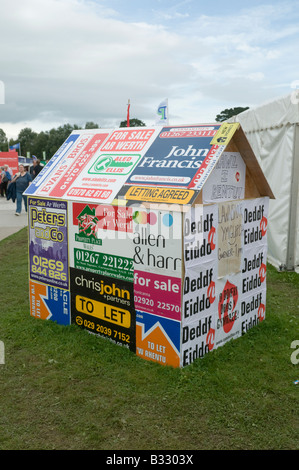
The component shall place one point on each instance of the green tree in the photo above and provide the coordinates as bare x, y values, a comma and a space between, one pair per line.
41, 145
133, 123
26, 138
91, 125
228, 113
3, 141
57, 137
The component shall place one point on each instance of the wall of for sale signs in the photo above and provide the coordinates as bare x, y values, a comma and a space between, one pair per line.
123, 273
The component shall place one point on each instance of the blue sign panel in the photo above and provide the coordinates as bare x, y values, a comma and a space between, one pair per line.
174, 157
61, 152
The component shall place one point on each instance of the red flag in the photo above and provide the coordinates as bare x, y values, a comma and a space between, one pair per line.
128, 114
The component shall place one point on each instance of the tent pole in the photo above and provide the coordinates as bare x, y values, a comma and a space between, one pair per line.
292, 232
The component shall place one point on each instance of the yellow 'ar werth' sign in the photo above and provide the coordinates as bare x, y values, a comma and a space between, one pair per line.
225, 133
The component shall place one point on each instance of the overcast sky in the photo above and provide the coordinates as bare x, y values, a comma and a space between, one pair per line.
73, 61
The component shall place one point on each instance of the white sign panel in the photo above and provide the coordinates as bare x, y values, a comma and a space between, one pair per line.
253, 310
228, 320
199, 291
255, 220
227, 180
254, 268
200, 234
157, 241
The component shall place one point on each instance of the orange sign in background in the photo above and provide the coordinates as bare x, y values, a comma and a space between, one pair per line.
158, 339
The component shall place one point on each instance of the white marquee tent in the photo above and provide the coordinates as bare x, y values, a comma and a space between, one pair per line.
273, 132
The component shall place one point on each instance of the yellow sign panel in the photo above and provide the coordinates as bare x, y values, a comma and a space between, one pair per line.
153, 194
225, 133
106, 312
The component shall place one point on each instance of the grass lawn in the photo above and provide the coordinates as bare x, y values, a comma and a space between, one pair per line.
61, 388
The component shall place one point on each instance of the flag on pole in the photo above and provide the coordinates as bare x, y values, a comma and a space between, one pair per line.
128, 114
162, 113
14, 147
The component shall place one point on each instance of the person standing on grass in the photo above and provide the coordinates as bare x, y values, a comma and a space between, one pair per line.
22, 180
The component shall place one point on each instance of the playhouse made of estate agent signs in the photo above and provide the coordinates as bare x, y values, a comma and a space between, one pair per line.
155, 238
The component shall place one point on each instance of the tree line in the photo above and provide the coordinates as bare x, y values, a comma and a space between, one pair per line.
44, 144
